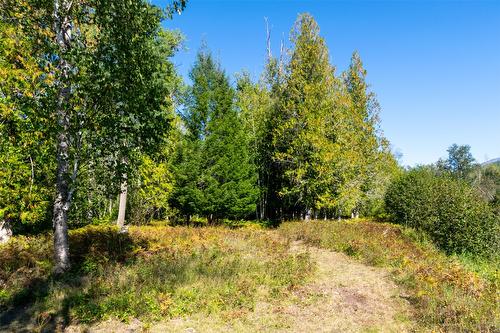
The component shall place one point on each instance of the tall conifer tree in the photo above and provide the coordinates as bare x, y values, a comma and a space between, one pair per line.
225, 184
362, 126
303, 106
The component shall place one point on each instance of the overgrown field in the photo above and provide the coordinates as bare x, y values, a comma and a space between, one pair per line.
150, 273
161, 272
446, 295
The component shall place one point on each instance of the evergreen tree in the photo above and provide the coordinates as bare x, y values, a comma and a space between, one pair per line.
270, 169
188, 197
303, 106
217, 147
361, 130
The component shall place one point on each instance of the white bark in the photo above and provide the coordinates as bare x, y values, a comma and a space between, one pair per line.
5, 232
308, 214
123, 206
63, 34
268, 41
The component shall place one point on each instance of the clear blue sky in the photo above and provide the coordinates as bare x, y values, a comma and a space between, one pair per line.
434, 65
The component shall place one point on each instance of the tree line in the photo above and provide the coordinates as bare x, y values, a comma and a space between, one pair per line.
98, 127
455, 202
92, 107
301, 142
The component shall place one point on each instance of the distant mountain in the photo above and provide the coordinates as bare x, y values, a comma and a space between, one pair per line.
493, 161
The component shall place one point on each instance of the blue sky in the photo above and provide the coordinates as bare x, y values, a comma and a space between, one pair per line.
434, 65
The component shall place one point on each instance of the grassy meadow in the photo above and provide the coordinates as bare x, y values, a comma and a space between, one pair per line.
155, 273
150, 273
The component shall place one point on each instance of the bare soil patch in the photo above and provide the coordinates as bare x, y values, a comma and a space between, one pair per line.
348, 297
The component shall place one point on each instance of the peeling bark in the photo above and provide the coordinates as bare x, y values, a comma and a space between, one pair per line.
62, 28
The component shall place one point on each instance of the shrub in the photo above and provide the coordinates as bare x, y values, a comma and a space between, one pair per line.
449, 210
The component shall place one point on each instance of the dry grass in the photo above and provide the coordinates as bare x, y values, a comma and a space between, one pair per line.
342, 296
151, 273
216, 279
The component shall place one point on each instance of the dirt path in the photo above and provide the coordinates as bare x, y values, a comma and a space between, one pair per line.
343, 296
350, 297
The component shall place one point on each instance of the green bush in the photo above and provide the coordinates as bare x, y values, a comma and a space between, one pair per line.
446, 208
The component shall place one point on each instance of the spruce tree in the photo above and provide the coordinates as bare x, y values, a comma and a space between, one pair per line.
216, 146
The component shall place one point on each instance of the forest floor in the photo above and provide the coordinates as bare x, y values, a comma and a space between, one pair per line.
343, 295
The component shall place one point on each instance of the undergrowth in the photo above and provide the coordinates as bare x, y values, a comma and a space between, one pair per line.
447, 294
150, 273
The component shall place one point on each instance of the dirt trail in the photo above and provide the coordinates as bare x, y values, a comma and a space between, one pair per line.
350, 297
343, 296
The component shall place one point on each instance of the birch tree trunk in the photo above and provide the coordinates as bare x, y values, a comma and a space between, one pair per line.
308, 214
5, 231
62, 28
123, 206
61, 207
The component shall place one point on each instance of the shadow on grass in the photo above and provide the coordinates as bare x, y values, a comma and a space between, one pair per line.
20, 313
48, 303
22, 316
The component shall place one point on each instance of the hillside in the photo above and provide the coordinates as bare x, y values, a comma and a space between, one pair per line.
150, 184
492, 161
